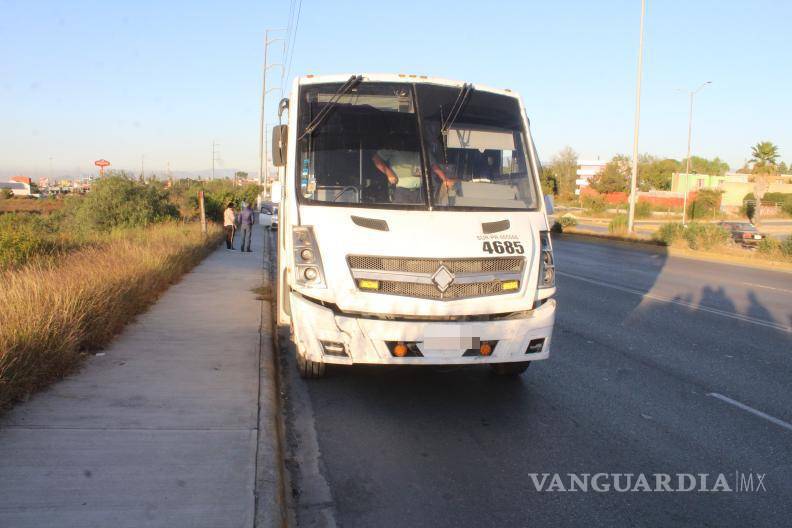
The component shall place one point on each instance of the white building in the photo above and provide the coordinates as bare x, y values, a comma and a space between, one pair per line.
18, 188
587, 169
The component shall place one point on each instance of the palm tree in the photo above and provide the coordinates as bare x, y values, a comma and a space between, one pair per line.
764, 154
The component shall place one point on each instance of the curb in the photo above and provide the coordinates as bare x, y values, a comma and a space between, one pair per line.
271, 497
652, 247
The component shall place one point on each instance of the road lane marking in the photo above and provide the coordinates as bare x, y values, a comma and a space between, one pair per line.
660, 298
766, 287
773, 419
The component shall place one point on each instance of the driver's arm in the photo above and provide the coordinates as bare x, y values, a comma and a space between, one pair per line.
385, 169
449, 182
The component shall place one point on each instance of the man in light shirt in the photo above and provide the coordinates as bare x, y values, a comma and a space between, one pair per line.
229, 225
403, 170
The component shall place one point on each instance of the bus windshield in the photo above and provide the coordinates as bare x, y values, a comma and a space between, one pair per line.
384, 145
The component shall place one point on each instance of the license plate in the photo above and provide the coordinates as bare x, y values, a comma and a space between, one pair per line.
758, 237
449, 338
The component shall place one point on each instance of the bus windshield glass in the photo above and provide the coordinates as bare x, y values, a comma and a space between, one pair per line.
394, 145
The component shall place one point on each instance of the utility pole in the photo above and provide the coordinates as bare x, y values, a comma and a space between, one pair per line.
142, 157
687, 162
634, 176
264, 92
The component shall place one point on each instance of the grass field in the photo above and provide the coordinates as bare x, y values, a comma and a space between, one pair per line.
54, 310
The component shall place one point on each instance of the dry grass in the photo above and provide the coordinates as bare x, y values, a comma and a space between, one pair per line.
52, 312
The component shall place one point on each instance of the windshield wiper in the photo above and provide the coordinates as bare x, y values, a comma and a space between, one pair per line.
351, 83
462, 98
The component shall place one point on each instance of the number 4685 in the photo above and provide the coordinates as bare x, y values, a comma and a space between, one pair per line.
501, 247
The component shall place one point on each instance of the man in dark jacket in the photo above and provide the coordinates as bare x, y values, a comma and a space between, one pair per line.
246, 220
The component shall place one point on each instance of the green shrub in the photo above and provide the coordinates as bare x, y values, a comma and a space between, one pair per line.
118, 201
594, 204
705, 236
705, 205
786, 246
643, 210
568, 221
670, 233
769, 246
24, 235
618, 224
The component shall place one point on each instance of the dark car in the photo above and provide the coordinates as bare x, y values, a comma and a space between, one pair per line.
743, 233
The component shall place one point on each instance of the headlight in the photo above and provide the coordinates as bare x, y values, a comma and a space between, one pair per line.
546, 265
307, 261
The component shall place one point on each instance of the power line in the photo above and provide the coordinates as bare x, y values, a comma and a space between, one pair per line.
294, 38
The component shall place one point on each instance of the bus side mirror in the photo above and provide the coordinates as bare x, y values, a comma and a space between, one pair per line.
280, 134
548, 199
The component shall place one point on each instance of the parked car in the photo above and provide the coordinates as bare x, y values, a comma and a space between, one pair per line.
269, 216
743, 233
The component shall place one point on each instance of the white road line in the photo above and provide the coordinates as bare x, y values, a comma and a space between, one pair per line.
766, 287
773, 419
692, 306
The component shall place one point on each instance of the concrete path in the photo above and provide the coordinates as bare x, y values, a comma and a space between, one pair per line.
163, 429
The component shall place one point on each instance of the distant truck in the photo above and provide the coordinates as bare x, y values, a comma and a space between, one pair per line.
413, 230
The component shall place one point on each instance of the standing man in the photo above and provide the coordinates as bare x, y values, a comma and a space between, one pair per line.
246, 220
229, 219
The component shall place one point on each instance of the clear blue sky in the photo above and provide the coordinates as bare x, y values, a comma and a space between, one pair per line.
88, 79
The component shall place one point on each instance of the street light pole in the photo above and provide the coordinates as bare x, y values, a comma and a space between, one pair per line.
687, 162
264, 91
634, 175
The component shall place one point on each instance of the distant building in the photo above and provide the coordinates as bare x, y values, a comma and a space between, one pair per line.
22, 179
587, 169
18, 188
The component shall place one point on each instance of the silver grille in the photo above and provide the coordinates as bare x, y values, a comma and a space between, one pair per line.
427, 265
412, 277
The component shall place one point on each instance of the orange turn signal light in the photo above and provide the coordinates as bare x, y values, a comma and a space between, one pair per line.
400, 350
485, 349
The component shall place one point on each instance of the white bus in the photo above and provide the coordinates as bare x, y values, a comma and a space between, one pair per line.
413, 230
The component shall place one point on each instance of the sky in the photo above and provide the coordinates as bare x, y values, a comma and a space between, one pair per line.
161, 81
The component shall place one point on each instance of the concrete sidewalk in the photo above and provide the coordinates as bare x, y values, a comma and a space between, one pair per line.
164, 428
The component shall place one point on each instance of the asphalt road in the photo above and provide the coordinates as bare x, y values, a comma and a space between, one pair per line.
659, 365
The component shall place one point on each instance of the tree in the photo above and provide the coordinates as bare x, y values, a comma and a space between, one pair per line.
764, 155
654, 173
783, 168
549, 180
240, 175
614, 177
699, 165
564, 170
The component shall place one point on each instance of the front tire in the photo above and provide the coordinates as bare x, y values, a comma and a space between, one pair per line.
307, 368
510, 369
310, 369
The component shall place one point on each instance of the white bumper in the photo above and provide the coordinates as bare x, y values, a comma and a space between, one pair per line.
365, 339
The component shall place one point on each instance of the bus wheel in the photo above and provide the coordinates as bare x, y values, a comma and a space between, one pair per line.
309, 369
510, 369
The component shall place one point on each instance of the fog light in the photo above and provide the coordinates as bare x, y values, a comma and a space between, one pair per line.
485, 349
510, 285
310, 274
306, 255
367, 284
400, 350
333, 348
536, 345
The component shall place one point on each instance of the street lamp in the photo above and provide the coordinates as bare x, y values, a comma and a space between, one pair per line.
264, 91
690, 134
634, 174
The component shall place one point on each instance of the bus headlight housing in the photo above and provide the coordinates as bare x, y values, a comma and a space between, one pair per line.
546, 263
307, 261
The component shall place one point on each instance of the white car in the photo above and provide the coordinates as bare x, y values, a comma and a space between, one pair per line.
269, 216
